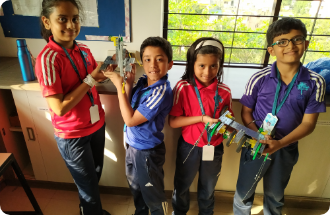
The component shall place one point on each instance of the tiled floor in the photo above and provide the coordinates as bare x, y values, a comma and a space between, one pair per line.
59, 202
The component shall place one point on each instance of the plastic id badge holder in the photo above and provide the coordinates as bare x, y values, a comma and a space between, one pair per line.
269, 123
208, 153
94, 112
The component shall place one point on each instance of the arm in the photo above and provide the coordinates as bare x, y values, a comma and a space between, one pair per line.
306, 127
131, 117
61, 104
246, 114
180, 121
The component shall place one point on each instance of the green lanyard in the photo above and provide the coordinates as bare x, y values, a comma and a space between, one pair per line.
276, 108
216, 101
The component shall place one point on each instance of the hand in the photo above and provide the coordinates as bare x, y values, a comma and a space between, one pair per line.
271, 145
97, 74
116, 79
210, 120
131, 75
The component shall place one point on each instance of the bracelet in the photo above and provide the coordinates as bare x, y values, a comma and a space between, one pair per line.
90, 80
202, 118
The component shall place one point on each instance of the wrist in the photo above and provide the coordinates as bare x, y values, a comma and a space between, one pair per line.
90, 80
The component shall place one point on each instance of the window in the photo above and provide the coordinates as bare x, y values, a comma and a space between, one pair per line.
241, 25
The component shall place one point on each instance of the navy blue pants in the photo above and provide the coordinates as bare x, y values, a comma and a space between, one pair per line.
145, 176
276, 174
209, 172
84, 159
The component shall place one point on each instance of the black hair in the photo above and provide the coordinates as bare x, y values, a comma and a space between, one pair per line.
157, 42
208, 49
48, 8
284, 26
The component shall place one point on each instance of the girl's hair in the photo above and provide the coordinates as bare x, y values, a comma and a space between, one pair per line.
48, 8
208, 49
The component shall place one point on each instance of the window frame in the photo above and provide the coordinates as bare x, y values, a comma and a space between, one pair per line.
244, 65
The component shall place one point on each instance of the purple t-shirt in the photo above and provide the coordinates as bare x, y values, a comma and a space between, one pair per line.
306, 96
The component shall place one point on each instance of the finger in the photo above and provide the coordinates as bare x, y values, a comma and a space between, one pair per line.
264, 141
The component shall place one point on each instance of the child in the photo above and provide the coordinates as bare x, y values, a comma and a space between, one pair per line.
67, 73
301, 92
201, 81
151, 101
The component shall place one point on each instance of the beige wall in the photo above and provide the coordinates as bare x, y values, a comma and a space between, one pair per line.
310, 176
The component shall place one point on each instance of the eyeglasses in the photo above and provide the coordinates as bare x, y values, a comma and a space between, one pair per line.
285, 42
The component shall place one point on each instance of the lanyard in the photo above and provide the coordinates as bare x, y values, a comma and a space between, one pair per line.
275, 109
216, 101
89, 93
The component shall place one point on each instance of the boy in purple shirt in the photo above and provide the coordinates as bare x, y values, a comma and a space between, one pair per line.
296, 107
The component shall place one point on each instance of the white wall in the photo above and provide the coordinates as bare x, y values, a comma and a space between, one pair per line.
310, 176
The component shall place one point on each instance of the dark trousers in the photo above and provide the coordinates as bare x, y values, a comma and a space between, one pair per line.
276, 174
209, 172
84, 159
145, 176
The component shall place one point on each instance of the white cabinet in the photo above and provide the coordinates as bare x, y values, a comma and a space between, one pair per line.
38, 131
28, 128
54, 164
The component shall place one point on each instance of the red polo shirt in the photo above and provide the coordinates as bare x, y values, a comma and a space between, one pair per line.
186, 104
57, 76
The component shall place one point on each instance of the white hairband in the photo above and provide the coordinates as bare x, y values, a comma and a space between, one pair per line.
209, 43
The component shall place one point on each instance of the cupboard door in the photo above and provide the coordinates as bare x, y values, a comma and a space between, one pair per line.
54, 163
28, 128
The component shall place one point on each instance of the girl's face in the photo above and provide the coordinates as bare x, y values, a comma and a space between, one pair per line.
64, 23
206, 68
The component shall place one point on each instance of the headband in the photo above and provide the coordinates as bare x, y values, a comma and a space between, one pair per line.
209, 43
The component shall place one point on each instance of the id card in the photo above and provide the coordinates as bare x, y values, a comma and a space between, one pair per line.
94, 112
208, 153
269, 123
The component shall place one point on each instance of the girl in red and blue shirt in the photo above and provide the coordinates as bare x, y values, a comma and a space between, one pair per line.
200, 82
67, 73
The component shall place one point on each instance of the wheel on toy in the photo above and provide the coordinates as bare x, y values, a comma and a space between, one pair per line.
241, 143
231, 138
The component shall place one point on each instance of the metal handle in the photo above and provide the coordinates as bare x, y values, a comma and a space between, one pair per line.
31, 134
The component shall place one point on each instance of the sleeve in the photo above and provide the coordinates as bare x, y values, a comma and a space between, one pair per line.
158, 101
47, 70
250, 95
94, 63
316, 102
177, 108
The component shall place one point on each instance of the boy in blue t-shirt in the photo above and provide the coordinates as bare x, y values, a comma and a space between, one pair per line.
293, 97
151, 101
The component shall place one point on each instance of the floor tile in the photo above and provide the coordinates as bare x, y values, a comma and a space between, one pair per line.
298, 211
66, 195
22, 204
115, 199
63, 207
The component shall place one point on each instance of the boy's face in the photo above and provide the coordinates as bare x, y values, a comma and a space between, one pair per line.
155, 63
290, 53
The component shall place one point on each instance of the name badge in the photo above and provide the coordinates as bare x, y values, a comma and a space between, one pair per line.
269, 123
94, 112
208, 153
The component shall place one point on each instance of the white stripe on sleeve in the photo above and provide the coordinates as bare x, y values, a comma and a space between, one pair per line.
43, 66
320, 83
250, 85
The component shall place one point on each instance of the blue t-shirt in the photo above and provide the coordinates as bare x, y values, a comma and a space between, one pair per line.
306, 96
154, 103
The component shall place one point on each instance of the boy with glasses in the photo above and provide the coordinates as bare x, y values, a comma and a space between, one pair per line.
290, 95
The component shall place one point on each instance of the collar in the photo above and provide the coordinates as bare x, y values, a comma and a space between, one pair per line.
302, 76
212, 86
144, 79
58, 48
